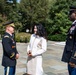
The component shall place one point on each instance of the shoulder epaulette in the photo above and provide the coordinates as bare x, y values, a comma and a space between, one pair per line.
6, 36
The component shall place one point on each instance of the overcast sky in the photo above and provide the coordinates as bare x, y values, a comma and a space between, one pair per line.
18, 1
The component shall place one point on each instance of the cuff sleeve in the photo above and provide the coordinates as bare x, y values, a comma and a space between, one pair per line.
42, 49
73, 60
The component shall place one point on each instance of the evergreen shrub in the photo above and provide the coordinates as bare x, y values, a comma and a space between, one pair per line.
57, 37
22, 37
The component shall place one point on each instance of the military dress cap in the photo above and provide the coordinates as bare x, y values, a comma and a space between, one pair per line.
10, 23
72, 9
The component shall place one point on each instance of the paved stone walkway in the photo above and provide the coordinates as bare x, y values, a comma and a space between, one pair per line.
52, 64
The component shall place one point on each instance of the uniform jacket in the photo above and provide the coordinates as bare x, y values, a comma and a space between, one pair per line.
9, 50
69, 54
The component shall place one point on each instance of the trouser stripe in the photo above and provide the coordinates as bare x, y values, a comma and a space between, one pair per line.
7, 71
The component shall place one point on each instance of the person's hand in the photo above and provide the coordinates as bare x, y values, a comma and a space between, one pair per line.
17, 56
72, 64
29, 53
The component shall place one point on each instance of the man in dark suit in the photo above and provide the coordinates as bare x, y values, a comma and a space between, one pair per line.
69, 54
10, 53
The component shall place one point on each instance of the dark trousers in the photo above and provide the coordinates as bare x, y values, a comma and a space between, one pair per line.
71, 70
9, 70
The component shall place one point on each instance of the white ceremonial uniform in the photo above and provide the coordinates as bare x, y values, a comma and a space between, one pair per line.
37, 46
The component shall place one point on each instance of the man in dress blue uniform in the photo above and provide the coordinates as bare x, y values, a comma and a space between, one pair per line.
10, 53
69, 54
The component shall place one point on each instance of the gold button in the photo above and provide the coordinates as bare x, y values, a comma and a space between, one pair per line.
70, 37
